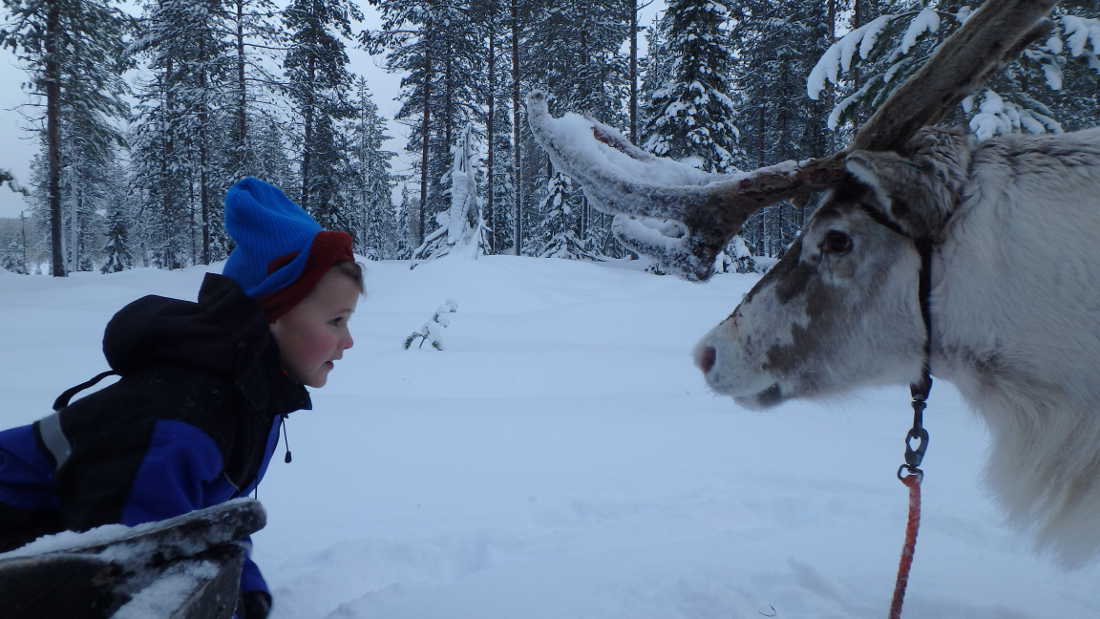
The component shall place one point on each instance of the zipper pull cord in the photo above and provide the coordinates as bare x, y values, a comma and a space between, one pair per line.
286, 444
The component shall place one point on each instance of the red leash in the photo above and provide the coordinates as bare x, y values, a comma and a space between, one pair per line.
912, 480
910, 474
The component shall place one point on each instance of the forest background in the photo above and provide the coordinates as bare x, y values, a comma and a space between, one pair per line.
140, 117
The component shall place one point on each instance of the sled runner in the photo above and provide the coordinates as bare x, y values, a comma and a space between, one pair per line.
187, 567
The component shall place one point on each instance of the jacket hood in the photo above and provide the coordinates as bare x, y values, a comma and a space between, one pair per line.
224, 333
157, 330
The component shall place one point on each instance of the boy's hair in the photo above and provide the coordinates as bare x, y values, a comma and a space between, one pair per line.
354, 270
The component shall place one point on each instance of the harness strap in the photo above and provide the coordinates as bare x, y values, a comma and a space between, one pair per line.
63, 400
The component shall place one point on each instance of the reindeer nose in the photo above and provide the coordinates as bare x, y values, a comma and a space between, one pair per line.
705, 357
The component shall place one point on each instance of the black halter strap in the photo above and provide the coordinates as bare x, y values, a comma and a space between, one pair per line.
916, 440
914, 454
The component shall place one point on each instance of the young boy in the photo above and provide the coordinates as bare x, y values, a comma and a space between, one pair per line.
205, 387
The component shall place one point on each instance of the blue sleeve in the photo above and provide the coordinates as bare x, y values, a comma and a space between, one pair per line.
181, 472
251, 578
172, 479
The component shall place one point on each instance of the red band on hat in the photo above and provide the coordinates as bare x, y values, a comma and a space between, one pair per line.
329, 247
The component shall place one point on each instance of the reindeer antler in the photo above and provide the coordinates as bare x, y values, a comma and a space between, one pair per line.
684, 217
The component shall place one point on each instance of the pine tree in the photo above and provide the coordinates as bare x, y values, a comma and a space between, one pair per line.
269, 150
574, 51
691, 115
561, 239
74, 51
777, 43
462, 230
12, 259
404, 217
370, 183
438, 45
318, 84
409, 33
161, 168
117, 250
1022, 97
252, 33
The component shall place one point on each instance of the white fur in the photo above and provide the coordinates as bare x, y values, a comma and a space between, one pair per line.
1015, 312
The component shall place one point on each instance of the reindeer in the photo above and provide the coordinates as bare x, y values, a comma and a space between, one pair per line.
1006, 231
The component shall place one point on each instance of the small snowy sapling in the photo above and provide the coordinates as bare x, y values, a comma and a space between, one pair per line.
432, 331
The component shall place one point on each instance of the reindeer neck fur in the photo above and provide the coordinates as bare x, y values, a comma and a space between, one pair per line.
1016, 319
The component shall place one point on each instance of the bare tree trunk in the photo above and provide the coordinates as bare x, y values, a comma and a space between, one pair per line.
763, 247
23, 225
857, 20
53, 133
241, 146
204, 155
448, 99
307, 150
517, 112
191, 219
490, 133
633, 5
425, 134
166, 186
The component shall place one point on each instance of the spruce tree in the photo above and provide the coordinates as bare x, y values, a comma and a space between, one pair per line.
777, 43
438, 45
461, 230
117, 256
1030, 94
74, 51
370, 183
318, 84
691, 115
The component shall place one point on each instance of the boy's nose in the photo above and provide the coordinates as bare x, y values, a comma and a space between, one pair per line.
348, 342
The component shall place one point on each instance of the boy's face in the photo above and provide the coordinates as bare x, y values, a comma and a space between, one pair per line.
314, 334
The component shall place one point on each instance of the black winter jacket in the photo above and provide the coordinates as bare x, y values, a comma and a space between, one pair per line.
192, 422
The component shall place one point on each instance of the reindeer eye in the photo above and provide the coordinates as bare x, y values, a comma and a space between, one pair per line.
836, 242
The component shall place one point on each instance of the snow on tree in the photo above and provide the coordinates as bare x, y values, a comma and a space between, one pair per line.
462, 230
432, 331
436, 43
12, 258
776, 44
370, 182
74, 53
894, 45
691, 115
575, 50
736, 258
318, 85
117, 250
560, 238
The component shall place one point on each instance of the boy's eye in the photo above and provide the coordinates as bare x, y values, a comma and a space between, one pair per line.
336, 322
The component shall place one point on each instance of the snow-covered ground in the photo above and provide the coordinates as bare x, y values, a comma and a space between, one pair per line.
563, 459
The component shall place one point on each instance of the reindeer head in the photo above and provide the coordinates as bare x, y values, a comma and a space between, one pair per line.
841, 308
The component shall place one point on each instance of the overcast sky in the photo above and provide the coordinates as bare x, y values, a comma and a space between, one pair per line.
20, 144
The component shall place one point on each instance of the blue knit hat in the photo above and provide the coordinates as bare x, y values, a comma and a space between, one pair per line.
266, 226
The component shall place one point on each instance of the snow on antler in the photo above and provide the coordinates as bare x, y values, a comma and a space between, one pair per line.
684, 217
666, 209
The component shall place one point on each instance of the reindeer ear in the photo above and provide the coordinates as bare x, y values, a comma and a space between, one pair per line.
904, 189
